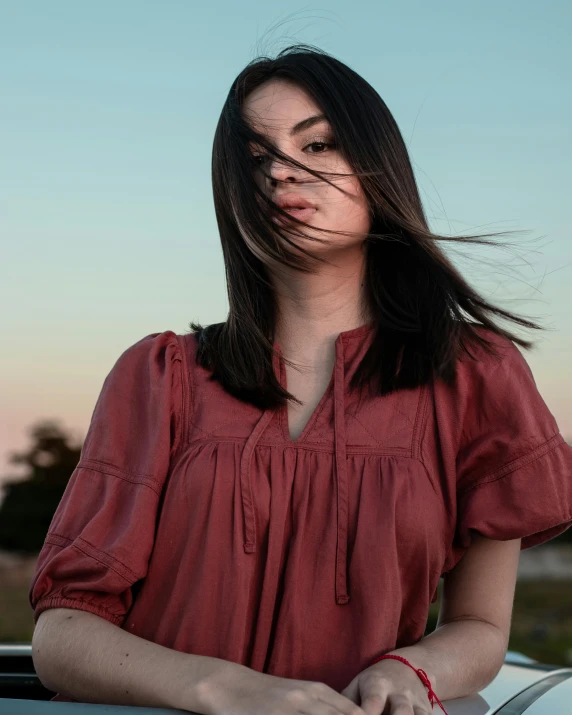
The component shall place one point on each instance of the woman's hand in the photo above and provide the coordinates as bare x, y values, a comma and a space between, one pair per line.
248, 692
389, 688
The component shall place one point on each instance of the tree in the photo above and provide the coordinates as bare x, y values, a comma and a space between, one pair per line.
30, 502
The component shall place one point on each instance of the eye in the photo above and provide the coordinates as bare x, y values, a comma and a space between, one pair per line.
259, 159
320, 146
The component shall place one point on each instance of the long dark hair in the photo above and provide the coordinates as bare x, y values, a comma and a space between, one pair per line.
422, 305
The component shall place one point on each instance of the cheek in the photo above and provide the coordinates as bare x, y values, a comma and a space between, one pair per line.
359, 200
353, 202
351, 208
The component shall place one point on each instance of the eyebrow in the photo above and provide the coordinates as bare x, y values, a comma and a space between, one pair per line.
307, 123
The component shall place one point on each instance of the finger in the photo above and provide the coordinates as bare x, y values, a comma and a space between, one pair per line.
321, 707
399, 705
332, 698
373, 704
352, 691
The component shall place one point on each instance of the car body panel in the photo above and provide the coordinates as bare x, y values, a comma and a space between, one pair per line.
521, 686
554, 700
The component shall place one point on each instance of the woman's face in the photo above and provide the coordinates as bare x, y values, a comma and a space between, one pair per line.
286, 115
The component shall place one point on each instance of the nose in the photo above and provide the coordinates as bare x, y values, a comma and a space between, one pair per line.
279, 172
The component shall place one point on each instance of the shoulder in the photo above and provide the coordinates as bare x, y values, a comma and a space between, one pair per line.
494, 393
501, 405
151, 361
140, 414
498, 362
154, 344
475, 352
157, 350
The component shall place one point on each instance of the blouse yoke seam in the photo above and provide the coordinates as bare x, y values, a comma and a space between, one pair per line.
314, 446
544, 448
235, 416
419, 433
420, 422
186, 391
189, 361
89, 550
97, 465
177, 437
380, 443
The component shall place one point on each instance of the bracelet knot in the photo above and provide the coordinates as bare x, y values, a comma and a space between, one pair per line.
422, 676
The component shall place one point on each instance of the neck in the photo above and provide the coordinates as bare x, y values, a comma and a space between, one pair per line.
313, 309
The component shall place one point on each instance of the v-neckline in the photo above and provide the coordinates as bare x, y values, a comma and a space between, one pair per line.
283, 412
314, 414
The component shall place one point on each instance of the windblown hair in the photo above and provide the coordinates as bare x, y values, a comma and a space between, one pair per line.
422, 305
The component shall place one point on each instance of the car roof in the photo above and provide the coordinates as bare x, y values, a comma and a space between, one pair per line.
530, 688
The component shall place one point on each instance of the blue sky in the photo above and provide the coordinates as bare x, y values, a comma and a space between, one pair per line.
108, 111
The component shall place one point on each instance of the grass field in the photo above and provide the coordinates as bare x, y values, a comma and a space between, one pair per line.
541, 623
16, 623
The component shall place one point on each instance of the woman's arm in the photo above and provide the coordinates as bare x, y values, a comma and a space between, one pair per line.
83, 656
467, 649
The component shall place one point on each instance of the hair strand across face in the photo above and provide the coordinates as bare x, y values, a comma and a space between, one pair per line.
425, 311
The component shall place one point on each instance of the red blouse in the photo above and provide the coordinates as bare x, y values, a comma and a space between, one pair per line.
193, 519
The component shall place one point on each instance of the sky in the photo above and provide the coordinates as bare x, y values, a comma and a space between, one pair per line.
107, 115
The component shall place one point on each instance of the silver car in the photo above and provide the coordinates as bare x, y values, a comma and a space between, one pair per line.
522, 686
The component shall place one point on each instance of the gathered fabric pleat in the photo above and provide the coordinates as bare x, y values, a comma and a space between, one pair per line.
341, 586
341, 476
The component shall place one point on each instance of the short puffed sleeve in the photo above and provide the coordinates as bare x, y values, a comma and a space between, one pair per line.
101, 535
514, 468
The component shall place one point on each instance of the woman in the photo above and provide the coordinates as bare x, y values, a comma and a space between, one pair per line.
265, 506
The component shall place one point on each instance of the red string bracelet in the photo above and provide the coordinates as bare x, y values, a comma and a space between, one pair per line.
421, 673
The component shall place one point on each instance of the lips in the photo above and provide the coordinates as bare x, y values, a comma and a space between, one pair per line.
302, 214
296, 206
293, 201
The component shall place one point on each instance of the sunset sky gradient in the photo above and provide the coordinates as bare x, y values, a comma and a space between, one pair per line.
108, 113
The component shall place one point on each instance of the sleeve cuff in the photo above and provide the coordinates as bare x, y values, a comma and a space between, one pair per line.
60, 602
